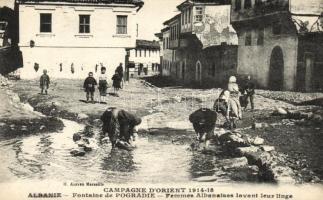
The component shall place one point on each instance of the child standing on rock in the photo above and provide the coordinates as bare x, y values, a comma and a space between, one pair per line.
103, 85
44, 82
89, 87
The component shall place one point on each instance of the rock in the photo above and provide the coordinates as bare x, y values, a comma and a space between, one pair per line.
292, 114
76, 137
82, 116
2, 124
317, 118
305, 115
42, 127
258, 141
243, 151
259, 158
56, 104
267, 148
233, 163
233, 140
205, 179
24, 128
256, 125
12, 126
282, 174
254, 169
77, 152
280, 111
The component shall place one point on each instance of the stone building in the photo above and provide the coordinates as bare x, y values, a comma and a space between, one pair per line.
144, 60
69, 38
280, 42
200, 46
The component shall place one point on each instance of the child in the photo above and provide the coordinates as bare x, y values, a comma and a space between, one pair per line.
44, 82
116, 82
103, 84
89, 87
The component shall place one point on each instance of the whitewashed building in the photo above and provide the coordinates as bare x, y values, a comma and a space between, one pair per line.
144, 59
70, 38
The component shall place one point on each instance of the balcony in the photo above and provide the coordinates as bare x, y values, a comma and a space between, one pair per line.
241, 12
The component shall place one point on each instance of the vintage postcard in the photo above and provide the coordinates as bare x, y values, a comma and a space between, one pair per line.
161, 99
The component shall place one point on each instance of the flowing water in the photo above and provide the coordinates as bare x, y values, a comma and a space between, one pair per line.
157, 159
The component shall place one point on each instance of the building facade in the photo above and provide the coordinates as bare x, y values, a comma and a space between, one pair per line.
73, 37
202, 45
280, 42
144, 60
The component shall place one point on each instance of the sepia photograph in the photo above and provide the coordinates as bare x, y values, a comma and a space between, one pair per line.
161, 99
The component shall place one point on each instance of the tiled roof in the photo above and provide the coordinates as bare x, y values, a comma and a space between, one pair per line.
147, 44
134, 2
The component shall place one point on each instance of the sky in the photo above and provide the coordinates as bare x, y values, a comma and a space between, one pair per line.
150, 17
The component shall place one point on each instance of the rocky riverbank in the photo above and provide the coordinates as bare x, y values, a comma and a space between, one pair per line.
17, 118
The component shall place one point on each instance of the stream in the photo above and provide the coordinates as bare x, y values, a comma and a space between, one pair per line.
157, 159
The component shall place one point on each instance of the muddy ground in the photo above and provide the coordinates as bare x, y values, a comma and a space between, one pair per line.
302, 142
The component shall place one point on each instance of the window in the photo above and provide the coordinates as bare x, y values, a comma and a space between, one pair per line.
185, 16
237, 5
199, 14
277, 28
122, 24
260, 39
84, 24
247, 4
139, 52
248, 38
136, 53
189, 15
145, 52
45, 23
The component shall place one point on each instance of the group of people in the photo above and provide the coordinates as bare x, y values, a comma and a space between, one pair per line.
230, 103
90, 84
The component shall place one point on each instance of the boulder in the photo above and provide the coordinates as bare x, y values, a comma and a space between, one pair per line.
258, 141
233, 140
294, 114
280, 111
233, 163
282, 174
243, 151
306, 115
267, 148
256, 125
82, 116
2, 124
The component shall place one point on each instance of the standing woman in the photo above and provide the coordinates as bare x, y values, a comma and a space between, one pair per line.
116, 82
235, 93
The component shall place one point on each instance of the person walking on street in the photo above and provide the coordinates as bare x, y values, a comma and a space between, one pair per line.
103, 84
89, 87
250, 90
44, 82
119, 69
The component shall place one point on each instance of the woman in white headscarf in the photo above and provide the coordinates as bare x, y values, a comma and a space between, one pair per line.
233, 88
